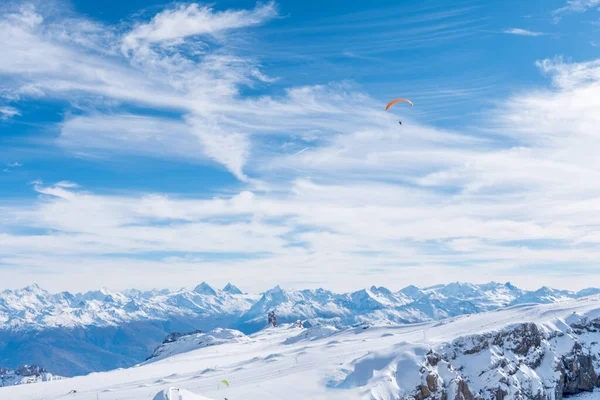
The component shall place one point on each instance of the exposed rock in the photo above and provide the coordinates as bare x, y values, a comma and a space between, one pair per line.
520, 360
422, 393
174, 336
433, 358
463, 392
578, 374
521, 339
432, 383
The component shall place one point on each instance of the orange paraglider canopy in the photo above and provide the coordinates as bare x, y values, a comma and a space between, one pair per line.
391, 103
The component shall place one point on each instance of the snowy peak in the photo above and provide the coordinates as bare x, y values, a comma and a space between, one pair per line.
587, 292
459, 290
412, 292
275, 291
231, 289
33, 289
276, 296
544, 295
205, 289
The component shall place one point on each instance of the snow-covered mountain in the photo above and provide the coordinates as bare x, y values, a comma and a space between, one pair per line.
381, 305
100, 330
523, 352
74, 334
35, 308
25, 374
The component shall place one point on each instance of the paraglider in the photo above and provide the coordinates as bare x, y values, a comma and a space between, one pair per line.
224, 382
391, 103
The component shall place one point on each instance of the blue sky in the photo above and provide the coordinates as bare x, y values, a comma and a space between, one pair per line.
150, 144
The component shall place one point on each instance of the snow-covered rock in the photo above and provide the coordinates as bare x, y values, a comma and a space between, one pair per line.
25, 374
177, 343
523, 361
174, 393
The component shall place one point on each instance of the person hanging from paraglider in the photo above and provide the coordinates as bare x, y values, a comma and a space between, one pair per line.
391, 103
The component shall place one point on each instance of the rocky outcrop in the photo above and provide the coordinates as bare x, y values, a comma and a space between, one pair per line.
25, 374
174, 336
457, 389
524, 361
577, 373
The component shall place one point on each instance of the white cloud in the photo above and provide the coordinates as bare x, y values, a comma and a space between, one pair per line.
355, 196
344, 231
575, 6
571, 75
522, 32
8, 112
170, 27
43, 60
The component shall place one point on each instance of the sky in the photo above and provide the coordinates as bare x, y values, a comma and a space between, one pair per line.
152, 144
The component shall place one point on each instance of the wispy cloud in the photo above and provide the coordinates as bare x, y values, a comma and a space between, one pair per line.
12, 165
522, 32
171, 27
8, 112
201, 83
575, 6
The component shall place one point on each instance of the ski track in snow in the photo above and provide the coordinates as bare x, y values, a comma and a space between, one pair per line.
292, 363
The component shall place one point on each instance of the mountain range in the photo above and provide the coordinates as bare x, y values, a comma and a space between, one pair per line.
100, 330
526, 351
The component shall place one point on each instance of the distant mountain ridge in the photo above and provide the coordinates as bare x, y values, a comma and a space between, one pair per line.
33, 308
103, 329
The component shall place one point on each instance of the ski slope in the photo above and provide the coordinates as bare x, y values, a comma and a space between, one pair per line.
287, 362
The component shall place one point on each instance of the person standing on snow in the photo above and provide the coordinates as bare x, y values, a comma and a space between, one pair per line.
272, 318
